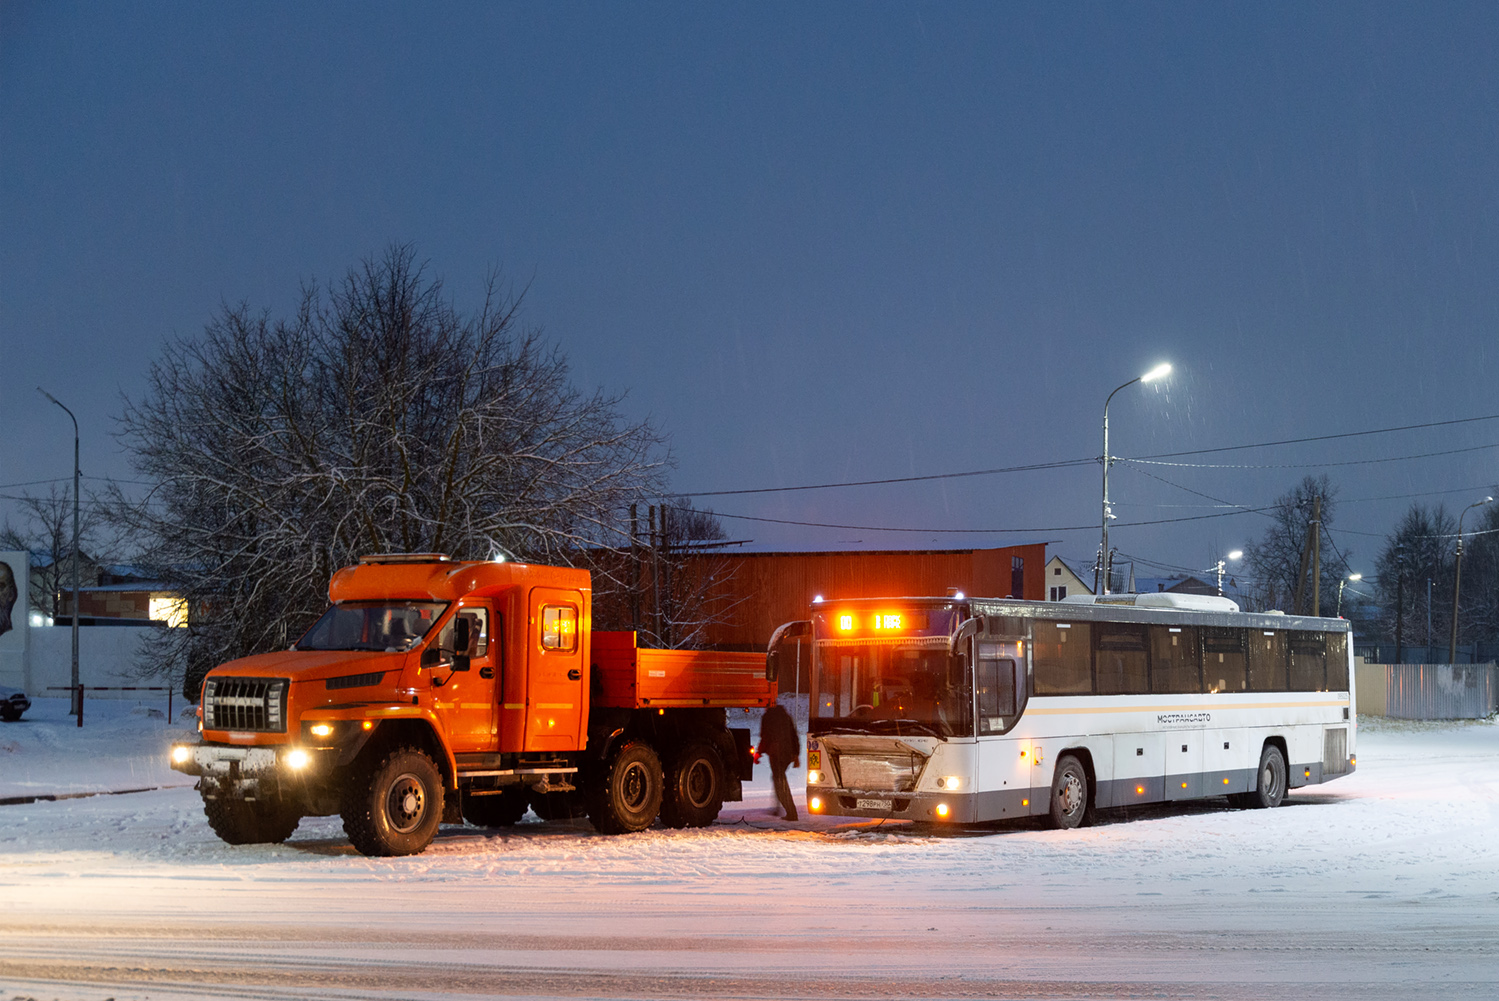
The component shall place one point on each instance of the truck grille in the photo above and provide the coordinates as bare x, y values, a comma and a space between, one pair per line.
249, 704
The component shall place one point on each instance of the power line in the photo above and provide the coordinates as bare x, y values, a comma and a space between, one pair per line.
980, 531
1322, 437
1304, 465
1060, 464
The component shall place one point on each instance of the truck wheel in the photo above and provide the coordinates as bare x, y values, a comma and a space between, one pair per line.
241, 822
501, 810
627, 795
694, 788
394, 808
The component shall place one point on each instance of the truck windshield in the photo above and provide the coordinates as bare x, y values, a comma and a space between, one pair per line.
905, 687
372, 625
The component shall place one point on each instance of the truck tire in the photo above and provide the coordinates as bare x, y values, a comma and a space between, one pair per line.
258, 822
500, 810
394, 807
627, 795
694, 787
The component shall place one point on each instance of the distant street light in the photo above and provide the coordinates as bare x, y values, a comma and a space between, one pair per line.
1457, 577
1159, 372
1341, 583
77, 692
1235, 555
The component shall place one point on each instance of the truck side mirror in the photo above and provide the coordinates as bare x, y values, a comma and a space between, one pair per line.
801, 627
461, 662
462, 634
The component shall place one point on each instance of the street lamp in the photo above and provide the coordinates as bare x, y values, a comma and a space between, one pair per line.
1341, 584
77, 692
1457, 577
1159, 372
1235, 555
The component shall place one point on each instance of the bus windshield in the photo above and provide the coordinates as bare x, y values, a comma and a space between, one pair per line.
392, 626
908, 686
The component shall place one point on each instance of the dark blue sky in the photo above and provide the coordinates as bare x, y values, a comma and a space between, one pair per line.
838, 243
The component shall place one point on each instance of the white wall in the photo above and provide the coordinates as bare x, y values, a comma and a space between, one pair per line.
106, 656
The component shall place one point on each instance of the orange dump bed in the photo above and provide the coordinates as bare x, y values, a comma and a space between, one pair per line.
632, 678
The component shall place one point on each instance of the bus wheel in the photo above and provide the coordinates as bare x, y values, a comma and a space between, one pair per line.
627, 795
1069, 794
503, 809
694, 789
1271, 787
395, 807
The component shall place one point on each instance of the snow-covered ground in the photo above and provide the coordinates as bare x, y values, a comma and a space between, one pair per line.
1382, 884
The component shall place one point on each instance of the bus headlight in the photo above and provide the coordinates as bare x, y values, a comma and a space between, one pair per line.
949, 782
297, 759
814, 777
181, 753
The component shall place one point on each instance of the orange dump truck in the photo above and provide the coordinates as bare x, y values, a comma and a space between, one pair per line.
435, 690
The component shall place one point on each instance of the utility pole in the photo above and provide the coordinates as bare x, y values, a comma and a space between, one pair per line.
1317, 555
1400, 604
1306, 555
1457, 578
634, 569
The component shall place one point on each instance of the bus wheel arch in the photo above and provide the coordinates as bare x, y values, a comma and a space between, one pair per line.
1071, 792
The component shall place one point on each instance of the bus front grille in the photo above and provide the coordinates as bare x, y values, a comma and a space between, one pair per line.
879, 772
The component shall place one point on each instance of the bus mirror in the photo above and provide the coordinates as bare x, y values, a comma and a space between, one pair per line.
462, 634
789, 630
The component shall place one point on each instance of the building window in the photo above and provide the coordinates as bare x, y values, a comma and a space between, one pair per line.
1056, 571
1017, 576
1058, 592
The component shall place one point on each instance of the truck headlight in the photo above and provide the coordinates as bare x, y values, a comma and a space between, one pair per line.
321, 729
181, 753
297, 759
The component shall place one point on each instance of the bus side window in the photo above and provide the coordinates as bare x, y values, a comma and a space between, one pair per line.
1308, 662
1122, 662
1223, 660
1267, 661
1337, 662
1061, 653
1174, 668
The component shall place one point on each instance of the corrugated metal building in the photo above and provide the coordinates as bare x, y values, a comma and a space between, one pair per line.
759, 591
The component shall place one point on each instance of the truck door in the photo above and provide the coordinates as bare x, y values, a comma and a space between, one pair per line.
555, 703
467, 698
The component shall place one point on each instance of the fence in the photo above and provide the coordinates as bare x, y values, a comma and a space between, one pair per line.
1428, 691
82, 689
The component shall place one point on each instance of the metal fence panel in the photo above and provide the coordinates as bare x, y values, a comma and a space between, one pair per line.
1440, 691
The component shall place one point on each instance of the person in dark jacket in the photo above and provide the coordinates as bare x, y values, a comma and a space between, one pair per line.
779, 740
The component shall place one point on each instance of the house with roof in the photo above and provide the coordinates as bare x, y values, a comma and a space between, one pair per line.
1062, 579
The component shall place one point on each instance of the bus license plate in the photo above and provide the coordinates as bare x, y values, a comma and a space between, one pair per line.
874, 804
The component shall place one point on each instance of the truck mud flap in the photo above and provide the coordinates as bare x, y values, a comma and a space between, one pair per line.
742, 756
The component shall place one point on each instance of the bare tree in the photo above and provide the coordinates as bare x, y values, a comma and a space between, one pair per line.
379, 418
1275, 560
1419, 549
47, 534
1479, 615
672, 584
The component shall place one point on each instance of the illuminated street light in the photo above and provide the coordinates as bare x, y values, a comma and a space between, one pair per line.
1159, 372
1341, 584
1457, 577
1237, 554
77, 692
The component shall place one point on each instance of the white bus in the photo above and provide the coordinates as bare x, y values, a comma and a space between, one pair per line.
952, 710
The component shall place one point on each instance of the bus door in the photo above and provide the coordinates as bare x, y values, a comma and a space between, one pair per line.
556, 696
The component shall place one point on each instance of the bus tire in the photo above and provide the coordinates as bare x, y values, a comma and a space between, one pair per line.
499, 810
694, 787
244, 822
1069, 794
627, 795
1270, 785
394, 808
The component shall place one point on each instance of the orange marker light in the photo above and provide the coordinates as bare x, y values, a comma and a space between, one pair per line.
815, 803
1025, 802
1184, 785
1225, 781
942, 809
369, 725
1139, 790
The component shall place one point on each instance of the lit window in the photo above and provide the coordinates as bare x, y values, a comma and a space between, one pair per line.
559, 627
169, 609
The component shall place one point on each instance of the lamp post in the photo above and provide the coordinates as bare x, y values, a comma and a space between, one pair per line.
1160, 371
1236, 554
1341, 584
77, 692
1457, 577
